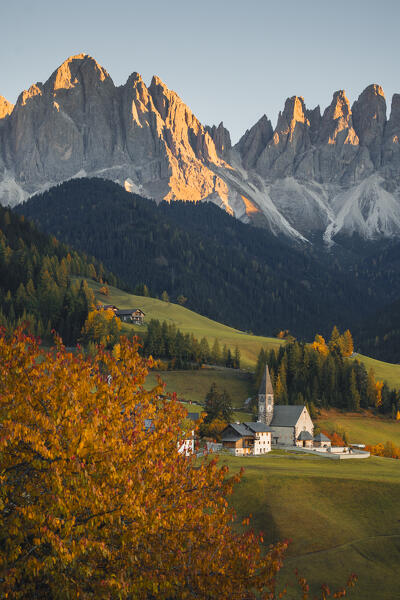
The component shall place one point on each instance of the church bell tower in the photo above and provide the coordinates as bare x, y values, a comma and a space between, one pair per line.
266, 399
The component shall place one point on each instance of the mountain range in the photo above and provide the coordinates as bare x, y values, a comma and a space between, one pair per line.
315, 176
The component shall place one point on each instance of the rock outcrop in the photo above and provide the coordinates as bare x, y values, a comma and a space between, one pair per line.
313, 176
254, 141
6, 107
369, 117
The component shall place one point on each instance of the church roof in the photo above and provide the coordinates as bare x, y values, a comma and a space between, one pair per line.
235, 431
258, 427
266, 383
321, 437
286, 415
304, 435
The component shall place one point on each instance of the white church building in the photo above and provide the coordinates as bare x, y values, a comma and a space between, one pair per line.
285, 425
290, 425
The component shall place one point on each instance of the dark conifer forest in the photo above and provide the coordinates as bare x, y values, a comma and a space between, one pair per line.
322, 377
35, 280
227, 270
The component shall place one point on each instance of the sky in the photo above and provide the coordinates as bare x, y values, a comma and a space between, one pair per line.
228, 60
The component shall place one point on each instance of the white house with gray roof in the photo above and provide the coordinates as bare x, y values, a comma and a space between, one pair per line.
291, 425
244, 439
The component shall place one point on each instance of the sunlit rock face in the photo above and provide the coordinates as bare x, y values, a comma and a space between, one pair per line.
80, 123
314, 176
338, 173
221, 138
6, 107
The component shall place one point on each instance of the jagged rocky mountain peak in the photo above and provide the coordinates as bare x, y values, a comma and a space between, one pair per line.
369, 118
76, 70
395, 109
294, 112
6, 107
221, 138
337, 124
36, 89
254, 141
310, 176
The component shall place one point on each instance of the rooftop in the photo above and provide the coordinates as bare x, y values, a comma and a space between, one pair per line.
286, 415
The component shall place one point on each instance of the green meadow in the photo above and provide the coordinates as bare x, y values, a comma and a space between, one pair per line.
341, 517
387, 371
188, 322
192, 387
191, 322
363, 429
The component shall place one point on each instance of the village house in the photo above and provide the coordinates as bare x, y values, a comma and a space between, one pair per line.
107, 307
186, 445
321, 441
244, 439
291, 425
131, 315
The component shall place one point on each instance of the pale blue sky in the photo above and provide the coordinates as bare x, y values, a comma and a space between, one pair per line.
228, 60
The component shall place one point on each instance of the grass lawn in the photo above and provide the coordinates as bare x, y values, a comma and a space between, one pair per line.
362, 429
342, 517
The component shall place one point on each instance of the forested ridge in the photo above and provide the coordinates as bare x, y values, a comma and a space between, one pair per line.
227, 270
35, 280
322, 375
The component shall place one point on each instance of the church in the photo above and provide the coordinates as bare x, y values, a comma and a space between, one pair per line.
277, 425
290, 425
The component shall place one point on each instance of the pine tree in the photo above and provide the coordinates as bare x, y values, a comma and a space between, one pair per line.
348, 345
216, 352
236, 358
354, 396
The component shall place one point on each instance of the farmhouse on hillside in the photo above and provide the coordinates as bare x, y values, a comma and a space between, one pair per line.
107, 307
290, 425
131, 315
247, 438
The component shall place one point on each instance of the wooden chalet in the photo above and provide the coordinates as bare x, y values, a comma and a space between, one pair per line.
131, 315
244, 439
107, 307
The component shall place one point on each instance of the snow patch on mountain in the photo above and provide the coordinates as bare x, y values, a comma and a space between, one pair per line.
367, 209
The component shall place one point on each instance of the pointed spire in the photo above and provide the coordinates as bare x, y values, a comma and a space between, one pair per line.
266, 383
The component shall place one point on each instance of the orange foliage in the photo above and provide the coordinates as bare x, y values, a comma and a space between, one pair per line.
336, 439
104, 290
97, 504
388, 450
378, 387
283, 334
320, 345
94, 503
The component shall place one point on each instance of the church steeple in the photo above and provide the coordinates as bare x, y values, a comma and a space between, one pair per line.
266, 399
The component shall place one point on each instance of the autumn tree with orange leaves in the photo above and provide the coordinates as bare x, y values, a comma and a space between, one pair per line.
95, 500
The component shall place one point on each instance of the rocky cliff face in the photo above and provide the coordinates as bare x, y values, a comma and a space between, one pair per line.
314, 175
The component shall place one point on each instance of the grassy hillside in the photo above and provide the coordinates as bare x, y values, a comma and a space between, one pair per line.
193, 386
365, 428
189, 322
387, 371
342, 517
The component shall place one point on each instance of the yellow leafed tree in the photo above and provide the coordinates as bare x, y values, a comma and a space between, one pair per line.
320, 345
101, 327
95, 500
